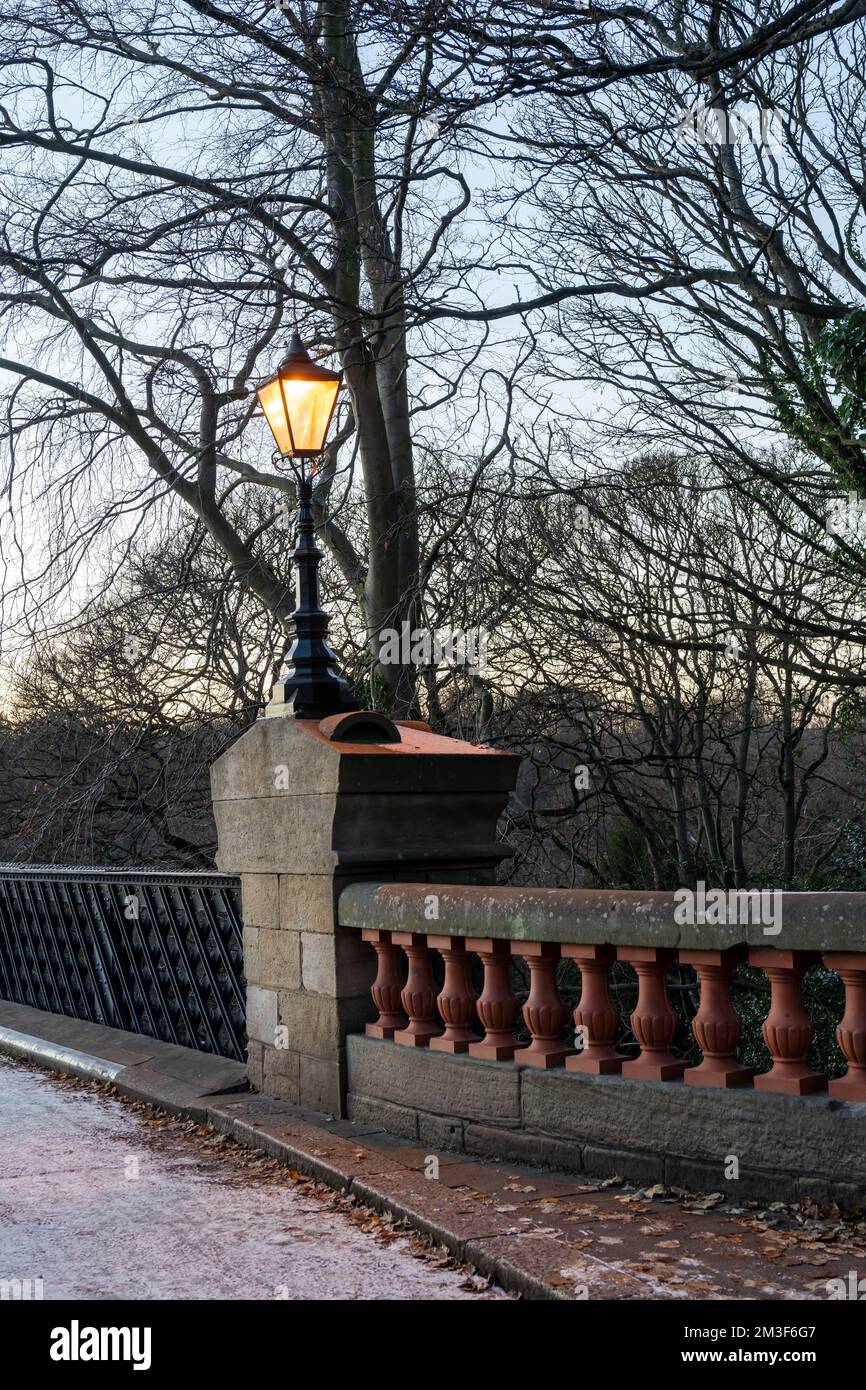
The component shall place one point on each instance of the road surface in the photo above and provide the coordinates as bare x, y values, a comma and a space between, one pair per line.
99, 1201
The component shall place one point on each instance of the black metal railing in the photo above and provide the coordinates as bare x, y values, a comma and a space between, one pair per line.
152, 952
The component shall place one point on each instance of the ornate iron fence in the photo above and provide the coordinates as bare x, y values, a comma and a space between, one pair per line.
152, 952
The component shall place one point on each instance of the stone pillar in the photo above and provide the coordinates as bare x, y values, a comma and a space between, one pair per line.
302, 809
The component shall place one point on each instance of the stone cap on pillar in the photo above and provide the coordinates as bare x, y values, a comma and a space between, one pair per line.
307, 796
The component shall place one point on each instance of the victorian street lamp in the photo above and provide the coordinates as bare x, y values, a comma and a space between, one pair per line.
298, 403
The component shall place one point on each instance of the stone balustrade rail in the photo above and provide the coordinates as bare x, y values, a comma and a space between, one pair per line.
405, 922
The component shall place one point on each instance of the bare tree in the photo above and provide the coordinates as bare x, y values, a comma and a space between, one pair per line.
659, 708
184, 181
181, 184
740, 193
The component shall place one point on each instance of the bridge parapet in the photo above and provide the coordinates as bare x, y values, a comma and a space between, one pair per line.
544, 926
542, 1070
390, 979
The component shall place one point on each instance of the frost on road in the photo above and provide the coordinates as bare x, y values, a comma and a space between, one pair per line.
102, 1202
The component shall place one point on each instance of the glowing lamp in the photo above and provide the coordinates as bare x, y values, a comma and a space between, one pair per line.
298, 402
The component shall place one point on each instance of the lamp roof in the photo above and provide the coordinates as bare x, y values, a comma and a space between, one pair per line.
298, 364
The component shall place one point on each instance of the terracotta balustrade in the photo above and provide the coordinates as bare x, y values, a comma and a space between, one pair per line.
716, 1025
543, 1013
498, 1010
387, 986
596, 1017
851, 1033
457, 998
413, 1012
653, 1021
419, 992
787, 1030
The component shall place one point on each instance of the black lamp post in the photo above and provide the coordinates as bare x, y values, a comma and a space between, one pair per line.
298, 403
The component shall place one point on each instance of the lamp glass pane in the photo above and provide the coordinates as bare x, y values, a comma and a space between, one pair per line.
271, 400
309, 404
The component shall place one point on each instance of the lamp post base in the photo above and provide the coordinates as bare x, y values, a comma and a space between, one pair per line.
312, 700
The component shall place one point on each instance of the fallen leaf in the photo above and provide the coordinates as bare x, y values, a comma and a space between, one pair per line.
704, 1203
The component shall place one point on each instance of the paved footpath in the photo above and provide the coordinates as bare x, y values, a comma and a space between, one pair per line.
239, 1195
101, 1201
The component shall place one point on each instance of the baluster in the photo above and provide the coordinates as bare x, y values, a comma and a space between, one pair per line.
851, 1032
388, 984
544, 1012
786, 1029
716, 1025
419, 992
596, 1014
457, 999
497, 1007
653, 1022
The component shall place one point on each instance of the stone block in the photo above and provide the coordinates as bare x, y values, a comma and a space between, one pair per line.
751, 1185
318, 963
417, 825
248, 769
317, 1024
341, 965
251, 954
441, 1132
310, 1021
427, 762
307, 902
277, 960
396, 1119
320, 1085
814, 922
433, 1081
282, 1074
262, 1014
517, 1146
253, 834
261, 900
603, 1162
356, 963
849, 1197
809, 921
203, 1072
255, 1063
791, 1134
